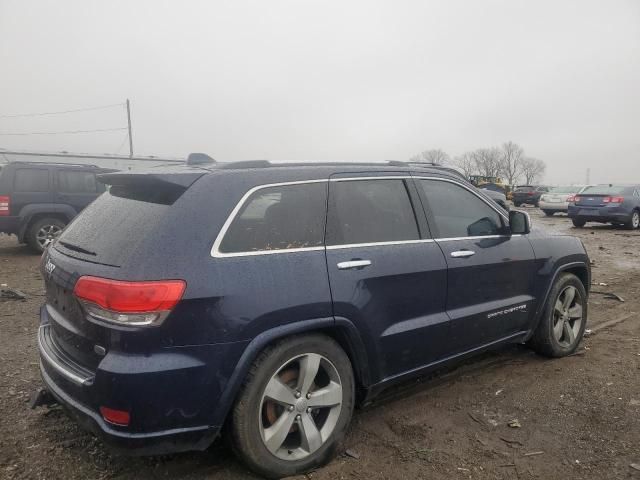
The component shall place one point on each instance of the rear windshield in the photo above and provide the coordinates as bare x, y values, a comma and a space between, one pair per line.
565, 189
112, 227
523, 189
605, 189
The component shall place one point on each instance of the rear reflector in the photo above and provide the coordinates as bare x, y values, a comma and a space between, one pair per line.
116, 417
5, 202
129, 303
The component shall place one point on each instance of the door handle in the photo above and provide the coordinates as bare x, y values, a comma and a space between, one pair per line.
463, 253
353, 264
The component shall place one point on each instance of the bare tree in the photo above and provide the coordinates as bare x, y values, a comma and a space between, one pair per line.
435, 156
511, 161
487, 161
533, 169
466, 163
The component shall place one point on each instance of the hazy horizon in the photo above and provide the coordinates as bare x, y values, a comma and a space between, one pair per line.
288, 80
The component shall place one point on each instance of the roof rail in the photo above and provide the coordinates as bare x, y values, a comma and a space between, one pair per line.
248, 164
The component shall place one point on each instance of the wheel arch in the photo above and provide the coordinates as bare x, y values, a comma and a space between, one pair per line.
341, 330
579, 269
34, 212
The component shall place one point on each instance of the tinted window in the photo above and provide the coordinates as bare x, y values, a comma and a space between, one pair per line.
458, 212
31, 180
279, 218
367, 211
70, 181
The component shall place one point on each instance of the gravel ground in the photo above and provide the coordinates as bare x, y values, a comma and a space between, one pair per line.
579, 417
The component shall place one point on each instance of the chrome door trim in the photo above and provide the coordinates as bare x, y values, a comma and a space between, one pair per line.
378, 244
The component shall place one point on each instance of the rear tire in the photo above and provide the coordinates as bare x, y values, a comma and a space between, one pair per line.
549, 213
578, 223
310, 435
43, 231
634, 221
563, 320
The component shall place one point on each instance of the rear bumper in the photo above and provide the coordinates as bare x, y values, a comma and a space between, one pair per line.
599, 214
172, 395
531, 200
553, 206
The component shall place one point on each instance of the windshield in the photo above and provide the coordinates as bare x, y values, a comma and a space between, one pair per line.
565, 189
604, 190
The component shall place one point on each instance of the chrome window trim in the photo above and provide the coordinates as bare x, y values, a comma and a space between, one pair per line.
379, 244
215, 249
215, 252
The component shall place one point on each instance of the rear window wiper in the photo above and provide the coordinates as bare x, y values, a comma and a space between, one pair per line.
76, 248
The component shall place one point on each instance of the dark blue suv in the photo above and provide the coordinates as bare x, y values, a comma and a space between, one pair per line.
272, 298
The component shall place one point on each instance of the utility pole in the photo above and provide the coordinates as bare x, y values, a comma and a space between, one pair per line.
129, 125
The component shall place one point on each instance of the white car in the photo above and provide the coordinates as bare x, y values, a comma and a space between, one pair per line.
557, 199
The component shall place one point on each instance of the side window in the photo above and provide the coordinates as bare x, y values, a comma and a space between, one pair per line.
369, 211
458, 212
31, 180
76, 181
279, 218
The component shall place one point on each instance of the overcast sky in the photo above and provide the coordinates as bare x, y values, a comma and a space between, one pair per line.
330, 80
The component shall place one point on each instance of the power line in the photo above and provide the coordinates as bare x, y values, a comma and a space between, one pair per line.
17, 115
66, 132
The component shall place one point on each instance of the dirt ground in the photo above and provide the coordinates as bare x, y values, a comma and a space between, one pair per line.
579, 416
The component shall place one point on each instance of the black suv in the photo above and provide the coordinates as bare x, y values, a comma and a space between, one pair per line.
37, 200
529, 194
272, 298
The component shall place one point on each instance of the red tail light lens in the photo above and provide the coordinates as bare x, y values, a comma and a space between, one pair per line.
5, 203
117, 417
613, 200
571, 198
577, 198
129, 303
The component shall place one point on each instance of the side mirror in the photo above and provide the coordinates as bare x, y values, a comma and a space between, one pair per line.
519, 222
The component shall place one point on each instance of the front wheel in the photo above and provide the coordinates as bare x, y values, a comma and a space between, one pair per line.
564, 318
295, 406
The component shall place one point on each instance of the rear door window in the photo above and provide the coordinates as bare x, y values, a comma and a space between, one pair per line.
277, 218
31, 180
370, 211
458, 213
77, 181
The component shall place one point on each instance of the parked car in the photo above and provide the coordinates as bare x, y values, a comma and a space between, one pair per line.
529, 194
616, 204
498, 197
558, 199
37, 200
273, 298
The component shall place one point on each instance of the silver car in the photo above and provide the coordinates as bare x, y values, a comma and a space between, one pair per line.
557, 199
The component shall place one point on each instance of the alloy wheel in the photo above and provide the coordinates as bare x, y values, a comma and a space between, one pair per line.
567, 316
300, 407
47, 234
635, 220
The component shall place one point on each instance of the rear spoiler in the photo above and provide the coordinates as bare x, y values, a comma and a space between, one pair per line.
180, 179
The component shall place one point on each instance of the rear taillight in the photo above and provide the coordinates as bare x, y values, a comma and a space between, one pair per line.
576, 199
5, 203
571, 198
116, 417
128, 303
613, 200
530, 194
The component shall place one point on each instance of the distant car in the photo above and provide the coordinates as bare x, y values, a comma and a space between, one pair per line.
616, 204
38, 199
529, 194
557, 199
497, 197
